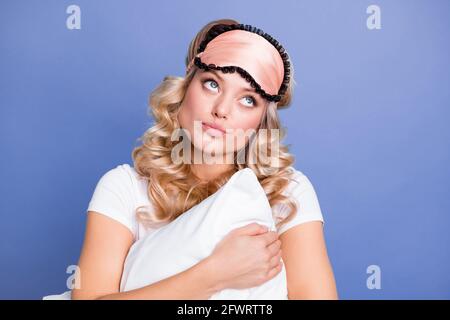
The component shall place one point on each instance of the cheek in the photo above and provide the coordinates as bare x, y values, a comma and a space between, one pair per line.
187, 109
246, 124
192, 107
248, 120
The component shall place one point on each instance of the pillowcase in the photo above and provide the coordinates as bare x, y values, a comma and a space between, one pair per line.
193, 235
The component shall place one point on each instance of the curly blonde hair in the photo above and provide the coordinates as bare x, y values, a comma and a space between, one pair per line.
173, 188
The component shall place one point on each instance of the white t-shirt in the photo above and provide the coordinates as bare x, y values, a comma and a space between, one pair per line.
121, 190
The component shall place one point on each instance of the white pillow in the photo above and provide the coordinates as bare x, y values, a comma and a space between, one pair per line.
192, 237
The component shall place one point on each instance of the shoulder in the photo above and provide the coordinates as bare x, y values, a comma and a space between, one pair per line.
117, 193
301, 190
298, 180
123, 178
300, 185
122, 173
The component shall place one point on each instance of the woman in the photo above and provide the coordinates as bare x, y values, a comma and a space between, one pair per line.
236, 78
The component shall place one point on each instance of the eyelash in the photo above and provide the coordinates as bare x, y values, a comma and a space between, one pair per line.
253, 98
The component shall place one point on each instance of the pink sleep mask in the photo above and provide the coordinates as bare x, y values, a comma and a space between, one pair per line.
249, 51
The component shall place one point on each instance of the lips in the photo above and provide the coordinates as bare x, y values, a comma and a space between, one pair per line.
214, 126
213, 129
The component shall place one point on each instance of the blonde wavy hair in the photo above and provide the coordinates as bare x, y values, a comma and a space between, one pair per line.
173, 188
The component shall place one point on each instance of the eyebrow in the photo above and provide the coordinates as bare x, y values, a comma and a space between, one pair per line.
247, 89
214, 72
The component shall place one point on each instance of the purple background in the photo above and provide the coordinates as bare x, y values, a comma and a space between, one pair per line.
368, 126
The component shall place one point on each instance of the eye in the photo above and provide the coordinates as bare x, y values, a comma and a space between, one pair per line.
210, 83
250, 100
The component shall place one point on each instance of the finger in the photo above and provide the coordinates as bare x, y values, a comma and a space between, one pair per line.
275, 260
274, 247
251, 229
269, 237
274, 271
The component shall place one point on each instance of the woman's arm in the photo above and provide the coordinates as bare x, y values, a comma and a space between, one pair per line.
105, 248
189, 284
308, 269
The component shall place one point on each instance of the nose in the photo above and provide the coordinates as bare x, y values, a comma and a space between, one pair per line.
221, 109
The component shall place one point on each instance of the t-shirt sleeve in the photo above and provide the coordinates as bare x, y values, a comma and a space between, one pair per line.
113, 197
308, 208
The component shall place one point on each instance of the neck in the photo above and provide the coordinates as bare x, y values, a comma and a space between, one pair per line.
209, 172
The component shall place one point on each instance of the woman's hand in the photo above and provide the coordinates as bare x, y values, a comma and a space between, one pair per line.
246, 257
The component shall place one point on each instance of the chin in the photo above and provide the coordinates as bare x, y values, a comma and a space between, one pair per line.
213, 150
